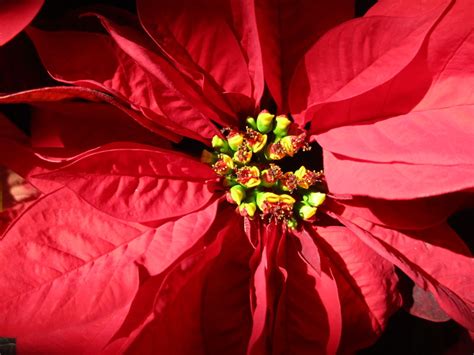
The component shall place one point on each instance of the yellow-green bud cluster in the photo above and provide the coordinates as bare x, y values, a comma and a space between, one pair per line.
246, 161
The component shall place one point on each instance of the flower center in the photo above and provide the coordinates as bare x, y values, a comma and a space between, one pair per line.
252, 166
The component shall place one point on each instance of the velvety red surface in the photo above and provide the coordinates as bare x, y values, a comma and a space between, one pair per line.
131, 247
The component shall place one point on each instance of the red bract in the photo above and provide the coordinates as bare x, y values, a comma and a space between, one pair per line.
132, 246
15, 15
380, 116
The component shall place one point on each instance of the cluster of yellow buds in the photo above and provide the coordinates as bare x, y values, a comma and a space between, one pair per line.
247, 162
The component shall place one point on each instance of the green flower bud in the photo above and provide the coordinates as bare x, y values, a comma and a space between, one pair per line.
301, 172
315, 199
251, 122
271, 175
282, 125
220, 144
267, 178
288, 182
248, 209
307, 178
306, 212
237, 193
265, 121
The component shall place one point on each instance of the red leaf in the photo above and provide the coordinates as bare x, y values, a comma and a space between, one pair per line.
295, 309
175, 325
202, 29
367, 286
435, 259
9, 213
172, 239
287, 29
202, 304
56, 93
394, 181
15, 15
68, 124
67, 286
60, 93
176, 97
214, 41
98, 62
419, 213
308, 250
422, 128
432, 137
138, 183
308, 317
368, 52
444, 78
226, 316
260, 295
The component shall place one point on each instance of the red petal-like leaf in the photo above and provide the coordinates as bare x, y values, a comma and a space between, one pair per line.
444, 78
174, 238
60, 93
98, 62
19, 75
361, 55
202, 29
281, 25
202, 38
202, 304
56, 93
418, 213
433, 137
394, 181
308, 250
308, 318
367, 286
225, 305
259, 293
175, 96
67, 277
414, 126
175, 325
68, 124
436, 259
138, 183
15, 15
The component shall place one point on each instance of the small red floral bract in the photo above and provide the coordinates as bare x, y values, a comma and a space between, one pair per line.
131, 248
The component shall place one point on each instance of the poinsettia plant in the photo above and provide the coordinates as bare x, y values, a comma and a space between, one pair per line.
183, 203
